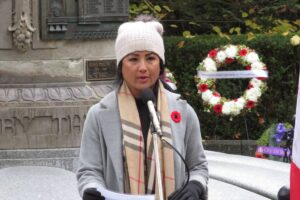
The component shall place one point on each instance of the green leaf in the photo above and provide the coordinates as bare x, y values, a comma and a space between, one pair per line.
248, 22
251, 11
194, 23
144, 6
216, 29
238, 30
244, 14
186, 33
133, 12
157, 8
167, 8
250, 36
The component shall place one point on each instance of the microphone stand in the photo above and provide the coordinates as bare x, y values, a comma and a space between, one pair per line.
157, 162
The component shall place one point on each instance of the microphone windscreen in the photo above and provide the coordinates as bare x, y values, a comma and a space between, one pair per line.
147, 95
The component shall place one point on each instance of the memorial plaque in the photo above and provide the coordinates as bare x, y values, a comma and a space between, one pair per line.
82, 19
41, 127
99, 70
97, 11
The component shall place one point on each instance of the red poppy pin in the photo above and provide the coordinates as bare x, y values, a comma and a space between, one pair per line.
176, 117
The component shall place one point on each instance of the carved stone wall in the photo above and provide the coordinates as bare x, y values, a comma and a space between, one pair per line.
44, 91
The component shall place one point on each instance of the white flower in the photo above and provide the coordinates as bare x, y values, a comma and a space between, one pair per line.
295, 40
209, 64
169, 74
206, 96
252, 57
231, 107
253, 94
227, 107
231, 51
240, 103
257, 65
235, 110
203, 79
214, 100
255, 82
221, 56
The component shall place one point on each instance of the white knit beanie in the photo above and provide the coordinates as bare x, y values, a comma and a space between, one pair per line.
139, 36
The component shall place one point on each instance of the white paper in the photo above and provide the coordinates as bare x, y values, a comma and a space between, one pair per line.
110, 195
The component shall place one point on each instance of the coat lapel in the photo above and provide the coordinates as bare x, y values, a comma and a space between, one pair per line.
112, 134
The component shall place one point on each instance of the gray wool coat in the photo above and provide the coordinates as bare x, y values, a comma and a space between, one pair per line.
101, 157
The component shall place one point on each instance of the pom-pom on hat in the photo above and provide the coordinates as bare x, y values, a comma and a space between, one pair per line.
139, 36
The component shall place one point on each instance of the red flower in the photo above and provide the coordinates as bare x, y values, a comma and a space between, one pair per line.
203, 87
250, 104
243, 52
250, 86
212, 53
176, 117
229, 60
248, 67
261, 78
216, 94
218, 108
168, 80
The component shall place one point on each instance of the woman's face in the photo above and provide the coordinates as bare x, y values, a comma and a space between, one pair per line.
140, 70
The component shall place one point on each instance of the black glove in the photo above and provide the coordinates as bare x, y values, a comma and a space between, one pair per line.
283, 193
92, 194
193, 191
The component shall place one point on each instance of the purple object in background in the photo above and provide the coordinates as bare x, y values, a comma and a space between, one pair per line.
275, 151
280, 131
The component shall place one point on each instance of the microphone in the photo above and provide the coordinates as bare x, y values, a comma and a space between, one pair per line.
147, 96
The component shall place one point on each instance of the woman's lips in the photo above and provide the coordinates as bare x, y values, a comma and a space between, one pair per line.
143, 79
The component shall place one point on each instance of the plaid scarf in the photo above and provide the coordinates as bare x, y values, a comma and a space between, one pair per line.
139, 169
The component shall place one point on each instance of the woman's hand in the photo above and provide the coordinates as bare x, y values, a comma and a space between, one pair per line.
193, 191
92, 194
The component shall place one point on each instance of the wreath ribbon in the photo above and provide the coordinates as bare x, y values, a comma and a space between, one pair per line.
233, 74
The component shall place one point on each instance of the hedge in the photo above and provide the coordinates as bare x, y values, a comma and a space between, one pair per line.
277, 104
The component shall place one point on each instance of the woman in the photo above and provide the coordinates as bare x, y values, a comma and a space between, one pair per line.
117, 149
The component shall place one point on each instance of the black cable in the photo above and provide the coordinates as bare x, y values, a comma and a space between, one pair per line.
185, 164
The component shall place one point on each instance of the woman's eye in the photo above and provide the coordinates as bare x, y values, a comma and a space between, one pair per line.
151, 58
132, 59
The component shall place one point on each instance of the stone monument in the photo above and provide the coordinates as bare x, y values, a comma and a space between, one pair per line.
56, 60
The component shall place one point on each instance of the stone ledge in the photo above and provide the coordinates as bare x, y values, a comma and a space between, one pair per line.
60, 158
260, 176
42, 183
40, 93
241, 147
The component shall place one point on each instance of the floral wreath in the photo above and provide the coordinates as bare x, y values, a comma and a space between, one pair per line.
221, 57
